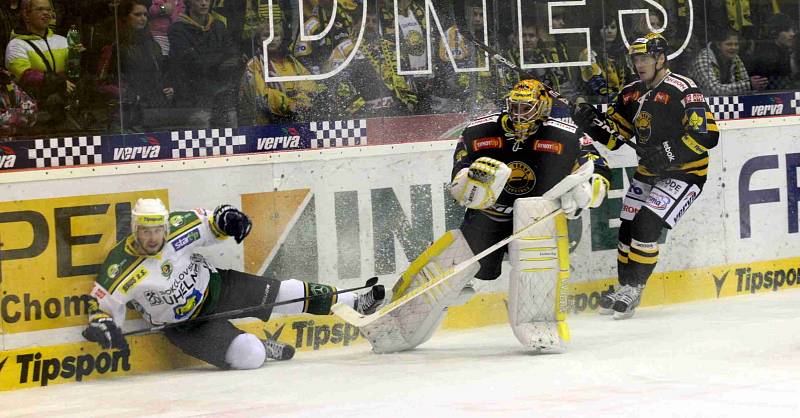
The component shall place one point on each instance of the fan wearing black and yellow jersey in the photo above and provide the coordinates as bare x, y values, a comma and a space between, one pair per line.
674, 129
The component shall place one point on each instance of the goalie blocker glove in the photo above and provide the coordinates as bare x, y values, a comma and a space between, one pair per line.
104, 331
479, 185
232, 222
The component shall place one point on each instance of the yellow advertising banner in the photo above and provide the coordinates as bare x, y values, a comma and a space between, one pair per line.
50, 250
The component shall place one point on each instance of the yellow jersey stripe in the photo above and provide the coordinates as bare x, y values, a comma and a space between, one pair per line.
696, 164
693, 145
701, 173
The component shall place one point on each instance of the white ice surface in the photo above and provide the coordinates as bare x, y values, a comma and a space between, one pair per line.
730, 357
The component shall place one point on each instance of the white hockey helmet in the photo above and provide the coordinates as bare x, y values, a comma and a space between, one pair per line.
149, 212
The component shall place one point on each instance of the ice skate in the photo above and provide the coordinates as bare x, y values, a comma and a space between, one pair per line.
277, 350
628, 301
607, 301
370, 301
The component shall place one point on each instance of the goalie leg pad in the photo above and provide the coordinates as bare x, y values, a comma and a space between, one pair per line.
537, 298
415, 322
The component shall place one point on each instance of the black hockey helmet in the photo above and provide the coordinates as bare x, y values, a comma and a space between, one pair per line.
651, 44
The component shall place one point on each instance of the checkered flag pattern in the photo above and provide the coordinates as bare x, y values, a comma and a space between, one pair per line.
795, 103
726, 107
340, 133
205, 143
63, 152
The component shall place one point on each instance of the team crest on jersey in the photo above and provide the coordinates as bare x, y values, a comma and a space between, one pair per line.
166, 268
522, 179
112, 270
643, 123
176, 220
696, 119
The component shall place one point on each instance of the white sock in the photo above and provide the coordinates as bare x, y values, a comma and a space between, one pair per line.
246, 351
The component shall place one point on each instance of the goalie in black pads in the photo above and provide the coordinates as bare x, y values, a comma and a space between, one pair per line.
502, 166
674, 130
157, 271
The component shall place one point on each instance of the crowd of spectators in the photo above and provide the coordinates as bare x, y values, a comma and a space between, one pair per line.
149, 65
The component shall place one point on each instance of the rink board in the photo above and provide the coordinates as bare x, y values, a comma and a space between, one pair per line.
340, 216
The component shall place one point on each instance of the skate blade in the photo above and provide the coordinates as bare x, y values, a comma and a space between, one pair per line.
623, 315
605, 311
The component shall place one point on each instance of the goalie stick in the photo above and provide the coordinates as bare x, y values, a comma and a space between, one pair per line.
349, 315
233, 313
558, 96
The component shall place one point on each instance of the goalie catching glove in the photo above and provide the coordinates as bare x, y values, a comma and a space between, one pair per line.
104, 331
479, 185
232, 222
588, 194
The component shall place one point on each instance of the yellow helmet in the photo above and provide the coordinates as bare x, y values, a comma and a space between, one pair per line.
527, 103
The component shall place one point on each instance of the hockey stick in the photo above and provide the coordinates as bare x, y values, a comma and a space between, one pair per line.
349, 315
234, 313
508, 63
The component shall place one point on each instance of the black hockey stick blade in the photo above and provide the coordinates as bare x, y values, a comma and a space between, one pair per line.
234, 313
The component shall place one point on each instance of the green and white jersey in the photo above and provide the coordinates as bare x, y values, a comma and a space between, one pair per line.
169, 287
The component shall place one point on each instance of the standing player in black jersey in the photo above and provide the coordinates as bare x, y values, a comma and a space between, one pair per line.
674, 129
503, 164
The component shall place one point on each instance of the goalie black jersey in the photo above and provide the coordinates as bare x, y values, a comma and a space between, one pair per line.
675, 112
537, 162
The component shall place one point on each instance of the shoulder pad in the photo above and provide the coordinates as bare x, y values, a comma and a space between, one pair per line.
564, 126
